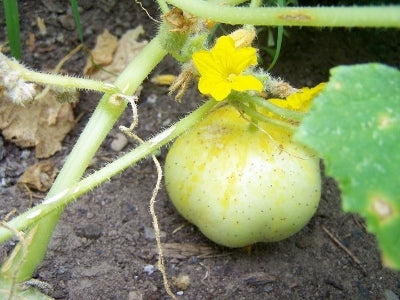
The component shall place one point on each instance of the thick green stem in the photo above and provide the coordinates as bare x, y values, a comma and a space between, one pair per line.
97, 128
352, 16
228, 2
66, 195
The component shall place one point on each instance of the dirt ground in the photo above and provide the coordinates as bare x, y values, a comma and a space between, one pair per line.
104, 246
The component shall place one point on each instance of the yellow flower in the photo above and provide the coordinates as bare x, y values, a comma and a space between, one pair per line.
221, 69
300, 101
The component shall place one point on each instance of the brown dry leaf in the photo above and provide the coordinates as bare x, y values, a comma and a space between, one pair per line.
128, 48
103, 52
42, 124
39, 176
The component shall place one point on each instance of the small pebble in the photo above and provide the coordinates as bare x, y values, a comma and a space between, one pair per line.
151, 99
62, 270
150, 235
193, 260
149, 269
119, 142
67, 21
269, 288
167, 122
2, 149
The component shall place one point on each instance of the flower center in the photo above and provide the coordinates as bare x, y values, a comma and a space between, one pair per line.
231, 77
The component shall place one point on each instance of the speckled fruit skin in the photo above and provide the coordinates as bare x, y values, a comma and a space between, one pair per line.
240, 185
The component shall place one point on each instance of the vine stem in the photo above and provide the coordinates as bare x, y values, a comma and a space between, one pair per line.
70, 193
257, 116
101, 122
61, 80
351, 16
259, 101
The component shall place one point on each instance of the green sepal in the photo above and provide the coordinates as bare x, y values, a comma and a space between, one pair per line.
171, 41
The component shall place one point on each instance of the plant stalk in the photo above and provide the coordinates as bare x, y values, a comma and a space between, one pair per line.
61, 80
101, 122
66, 195
264, 103
351, 16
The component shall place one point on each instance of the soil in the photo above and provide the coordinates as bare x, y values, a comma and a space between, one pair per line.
104, 246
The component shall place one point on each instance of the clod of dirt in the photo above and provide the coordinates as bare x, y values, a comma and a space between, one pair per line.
90, 231
39, 176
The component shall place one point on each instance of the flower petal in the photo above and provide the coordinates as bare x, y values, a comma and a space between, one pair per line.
243, 58
221, 90
206, 84
221, 68
222, 53
299, 101
246, 82
218, 89
204, 62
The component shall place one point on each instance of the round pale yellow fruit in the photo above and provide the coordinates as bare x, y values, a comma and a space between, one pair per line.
240, 184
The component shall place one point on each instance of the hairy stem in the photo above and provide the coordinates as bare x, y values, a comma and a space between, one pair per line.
63, 196
352, 16
264, 103
97, 128
60, 80
257, 116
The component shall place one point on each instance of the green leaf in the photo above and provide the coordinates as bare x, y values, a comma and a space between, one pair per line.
75, 12
354, 125
12, 24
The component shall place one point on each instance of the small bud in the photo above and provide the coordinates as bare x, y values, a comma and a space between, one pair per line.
280, 88
243, 37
